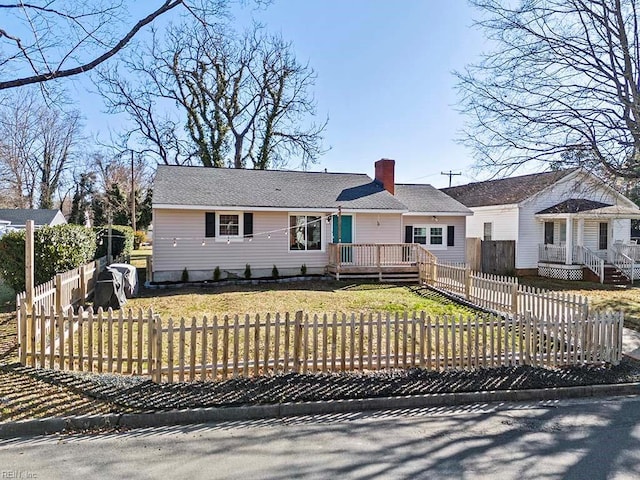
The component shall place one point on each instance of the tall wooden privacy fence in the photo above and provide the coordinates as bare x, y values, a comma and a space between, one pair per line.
500, 294
219, 348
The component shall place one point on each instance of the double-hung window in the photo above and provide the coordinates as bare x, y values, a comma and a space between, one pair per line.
305, 232
429, 235
229, 225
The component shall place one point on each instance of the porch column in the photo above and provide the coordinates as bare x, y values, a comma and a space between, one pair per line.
580, 239
569, 241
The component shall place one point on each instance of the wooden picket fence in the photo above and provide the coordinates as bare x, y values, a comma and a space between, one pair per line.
501, 294
252, 345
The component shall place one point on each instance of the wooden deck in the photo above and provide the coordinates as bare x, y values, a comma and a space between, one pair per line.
382, 261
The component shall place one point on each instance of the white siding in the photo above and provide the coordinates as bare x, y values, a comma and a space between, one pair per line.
621, 230
447, 254
374, 228
503, 217
531, 229
188, 228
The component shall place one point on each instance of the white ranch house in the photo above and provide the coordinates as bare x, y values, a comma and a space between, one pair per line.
566, 224
341, 223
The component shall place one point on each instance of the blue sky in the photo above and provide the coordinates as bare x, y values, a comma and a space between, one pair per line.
383, 79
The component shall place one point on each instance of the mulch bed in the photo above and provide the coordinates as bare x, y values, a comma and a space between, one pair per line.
139, 394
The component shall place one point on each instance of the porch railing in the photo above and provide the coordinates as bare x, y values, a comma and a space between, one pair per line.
623, 262
552, 253
590, 260
631, 251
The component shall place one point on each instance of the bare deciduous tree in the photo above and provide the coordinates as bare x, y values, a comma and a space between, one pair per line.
44, 40
36, 149
245, 100
562, 76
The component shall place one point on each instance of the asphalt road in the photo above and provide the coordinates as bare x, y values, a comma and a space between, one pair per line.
586, 439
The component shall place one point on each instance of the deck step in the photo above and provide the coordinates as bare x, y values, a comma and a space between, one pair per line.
390, 277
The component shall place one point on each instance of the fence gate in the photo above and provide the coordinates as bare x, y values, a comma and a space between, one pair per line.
499, 257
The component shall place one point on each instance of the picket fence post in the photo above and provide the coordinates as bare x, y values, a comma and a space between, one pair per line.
514, 298
297, 341
467, 282
58, 292
83, 285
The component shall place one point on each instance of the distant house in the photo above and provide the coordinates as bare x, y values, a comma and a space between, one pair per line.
16, 218
205, 218
563, 222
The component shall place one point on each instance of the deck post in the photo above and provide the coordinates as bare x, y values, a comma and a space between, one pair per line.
434, 273
378, 261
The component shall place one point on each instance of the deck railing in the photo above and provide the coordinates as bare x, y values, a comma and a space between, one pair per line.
373, 254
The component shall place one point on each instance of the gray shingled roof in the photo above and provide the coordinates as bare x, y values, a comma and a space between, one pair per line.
425, 198
227, 187
19, 216
505, 191
574, 205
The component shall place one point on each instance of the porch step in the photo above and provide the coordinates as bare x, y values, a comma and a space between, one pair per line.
613, 276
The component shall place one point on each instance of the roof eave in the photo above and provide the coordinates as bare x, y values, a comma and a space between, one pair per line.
166, 206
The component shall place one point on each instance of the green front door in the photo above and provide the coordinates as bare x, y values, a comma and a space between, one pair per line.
346, 230
346, 255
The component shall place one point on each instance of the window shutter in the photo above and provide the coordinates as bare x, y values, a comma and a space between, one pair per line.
451, 232
408, 234
210, 224
248, 224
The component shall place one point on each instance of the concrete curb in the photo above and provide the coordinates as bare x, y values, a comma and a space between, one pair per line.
254, 412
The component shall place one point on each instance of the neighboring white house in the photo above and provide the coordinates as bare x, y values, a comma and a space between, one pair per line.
16, 218
205, 218
561, 221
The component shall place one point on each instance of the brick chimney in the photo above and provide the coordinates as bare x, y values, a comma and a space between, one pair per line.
385, 174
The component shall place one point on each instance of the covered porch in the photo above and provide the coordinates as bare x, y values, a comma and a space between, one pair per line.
383, 261
583, 239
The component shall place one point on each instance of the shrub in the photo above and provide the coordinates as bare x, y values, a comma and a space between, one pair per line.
139, 237
274, 272
121, 240
216, 274
56, 249
303, 269
185, 275
247, 271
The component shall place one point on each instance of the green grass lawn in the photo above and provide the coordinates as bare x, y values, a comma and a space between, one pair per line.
601, 297
312, 297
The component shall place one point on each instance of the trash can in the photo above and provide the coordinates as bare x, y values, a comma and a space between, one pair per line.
109, 290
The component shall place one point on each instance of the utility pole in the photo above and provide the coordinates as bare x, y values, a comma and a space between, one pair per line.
450, 174
133, 197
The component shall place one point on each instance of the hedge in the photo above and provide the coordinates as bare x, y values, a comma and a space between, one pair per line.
121, 240
56, 249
